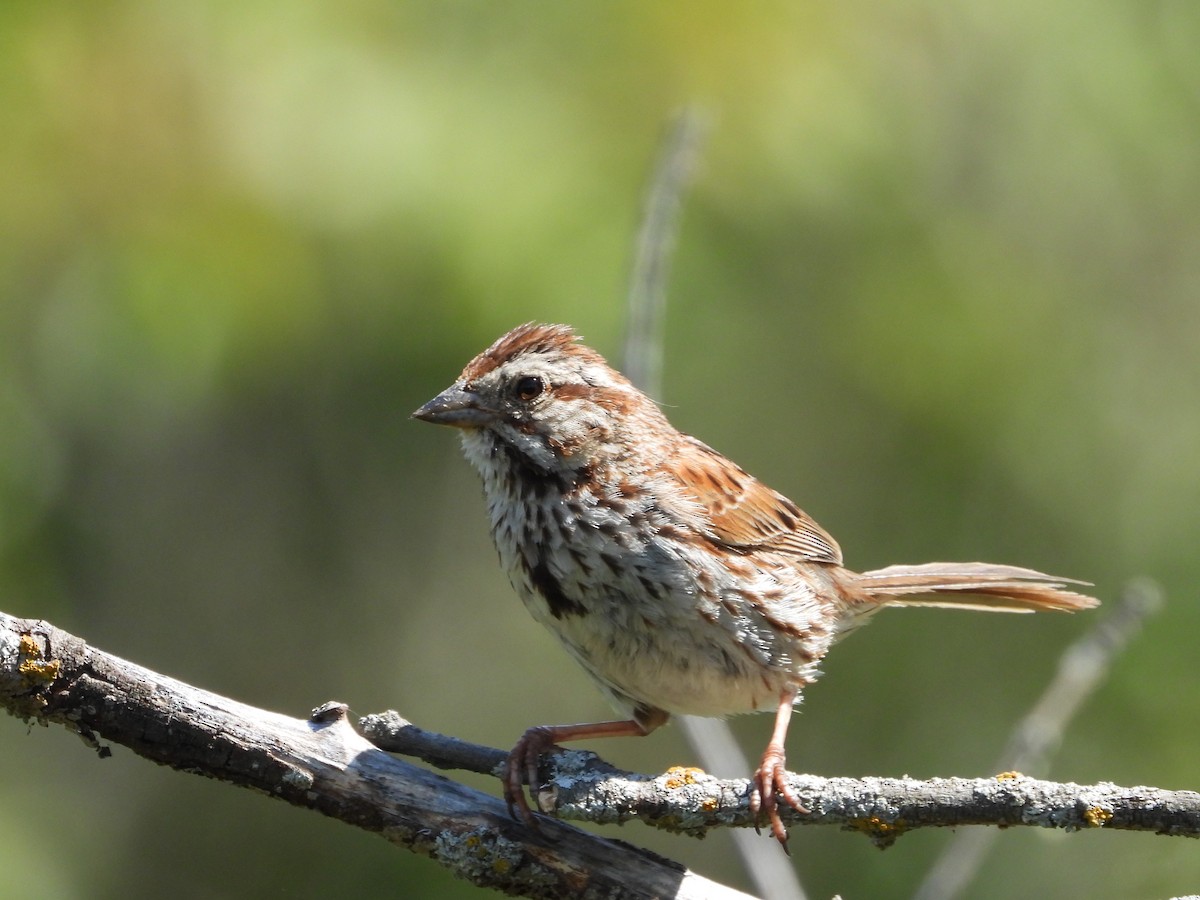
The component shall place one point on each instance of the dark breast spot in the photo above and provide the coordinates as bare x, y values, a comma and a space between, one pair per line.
650, 587
580, 560
547, 585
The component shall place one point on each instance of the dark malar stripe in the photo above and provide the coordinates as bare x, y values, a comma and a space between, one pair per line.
526, 476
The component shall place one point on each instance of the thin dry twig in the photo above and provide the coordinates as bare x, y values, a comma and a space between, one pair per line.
642, 362
582, 787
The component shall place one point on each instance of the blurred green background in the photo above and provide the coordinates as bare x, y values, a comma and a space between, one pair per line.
937, 281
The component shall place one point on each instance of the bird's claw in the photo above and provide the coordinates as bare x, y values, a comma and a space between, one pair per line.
521, 768
768, 784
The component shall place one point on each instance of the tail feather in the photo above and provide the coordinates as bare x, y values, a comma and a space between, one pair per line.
984, 586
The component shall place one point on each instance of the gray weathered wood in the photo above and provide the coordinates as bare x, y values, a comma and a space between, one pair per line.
322, 763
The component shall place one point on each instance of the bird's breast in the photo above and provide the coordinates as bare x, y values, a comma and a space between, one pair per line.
656, 616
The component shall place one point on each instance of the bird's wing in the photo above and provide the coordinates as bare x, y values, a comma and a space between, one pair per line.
737, 510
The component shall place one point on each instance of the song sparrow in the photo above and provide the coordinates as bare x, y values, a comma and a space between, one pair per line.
679, 582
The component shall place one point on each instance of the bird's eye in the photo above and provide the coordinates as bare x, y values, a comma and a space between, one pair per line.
529, 387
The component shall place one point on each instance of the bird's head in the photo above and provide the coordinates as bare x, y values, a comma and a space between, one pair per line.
540, 395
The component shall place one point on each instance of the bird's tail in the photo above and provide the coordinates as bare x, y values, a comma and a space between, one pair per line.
984, 586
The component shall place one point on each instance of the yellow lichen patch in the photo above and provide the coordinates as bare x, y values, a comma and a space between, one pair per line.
36, 671
708, 804
678, 776
882, 832
1097, 816
1009, 776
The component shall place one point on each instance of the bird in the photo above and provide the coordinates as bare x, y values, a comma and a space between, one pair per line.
679, 582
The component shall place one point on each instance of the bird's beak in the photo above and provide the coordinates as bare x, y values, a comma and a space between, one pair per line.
457, 407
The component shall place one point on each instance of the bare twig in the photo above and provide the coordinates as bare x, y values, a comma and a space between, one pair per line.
1080, 671
582, 787
642, 362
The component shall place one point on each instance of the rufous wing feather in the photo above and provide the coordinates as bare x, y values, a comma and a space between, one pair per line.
740, 511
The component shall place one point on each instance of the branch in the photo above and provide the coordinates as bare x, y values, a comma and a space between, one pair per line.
322, 763
582, 787
49, 676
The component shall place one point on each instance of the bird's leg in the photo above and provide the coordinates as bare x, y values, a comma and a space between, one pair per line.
522, 762
770, 780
